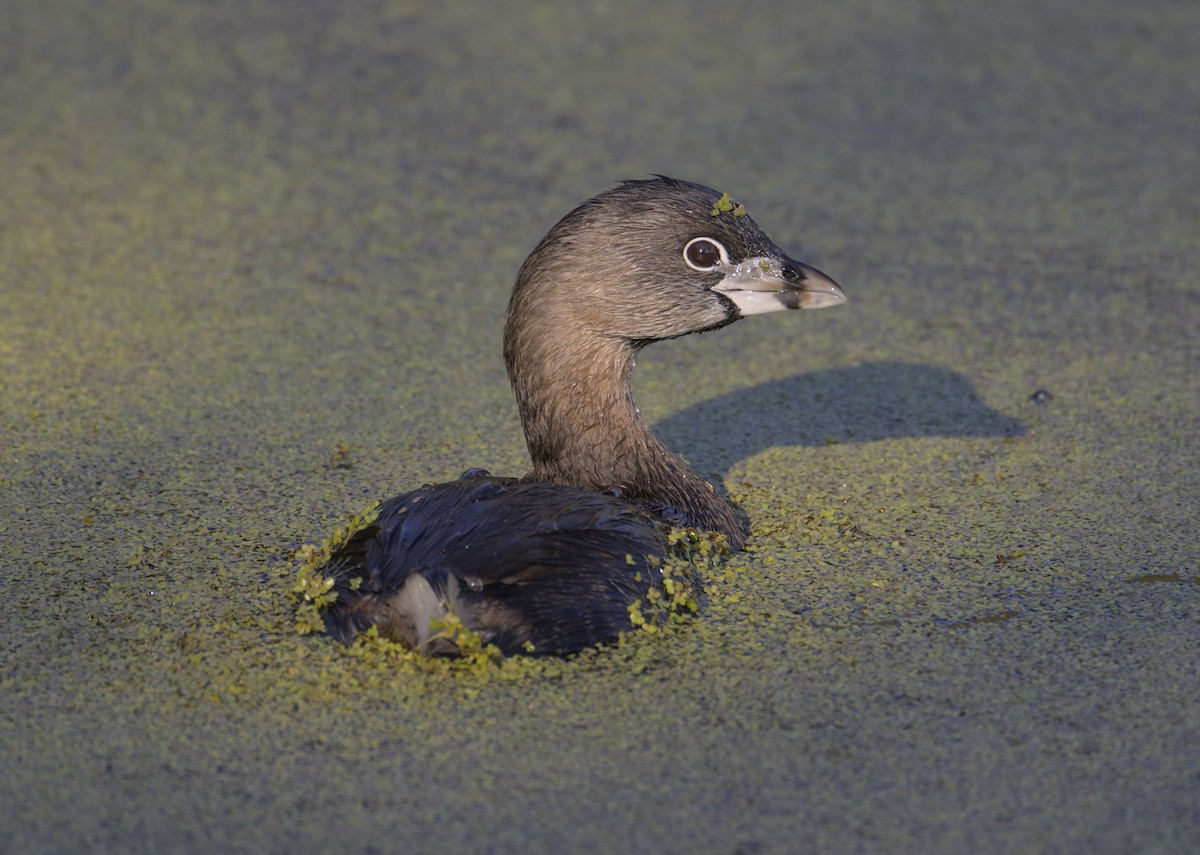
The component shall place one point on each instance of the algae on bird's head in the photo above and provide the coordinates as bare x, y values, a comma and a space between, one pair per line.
726, 205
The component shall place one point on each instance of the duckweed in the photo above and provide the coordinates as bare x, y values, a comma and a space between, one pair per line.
725, 205
312, 591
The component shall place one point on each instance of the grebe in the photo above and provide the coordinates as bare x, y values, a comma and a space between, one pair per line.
551, 563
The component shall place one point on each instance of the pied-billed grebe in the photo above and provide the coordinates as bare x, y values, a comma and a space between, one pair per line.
552, 562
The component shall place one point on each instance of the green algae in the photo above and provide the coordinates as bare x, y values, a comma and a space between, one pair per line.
726, 205
312, 591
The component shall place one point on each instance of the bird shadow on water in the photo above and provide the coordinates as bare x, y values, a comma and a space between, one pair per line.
862, 403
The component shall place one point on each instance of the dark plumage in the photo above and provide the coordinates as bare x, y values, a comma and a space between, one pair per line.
551, 563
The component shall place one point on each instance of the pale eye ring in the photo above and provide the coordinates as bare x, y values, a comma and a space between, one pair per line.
704, 254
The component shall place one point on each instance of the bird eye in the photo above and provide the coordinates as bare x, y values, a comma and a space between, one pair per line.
704, 254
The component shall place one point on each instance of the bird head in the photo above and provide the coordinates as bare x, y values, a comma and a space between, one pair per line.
661, 258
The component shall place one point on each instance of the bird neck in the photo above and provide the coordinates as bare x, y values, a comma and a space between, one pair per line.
583, 429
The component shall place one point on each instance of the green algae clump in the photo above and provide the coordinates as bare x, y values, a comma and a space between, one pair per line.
312, 592
726, 205
675, 599
472, 649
